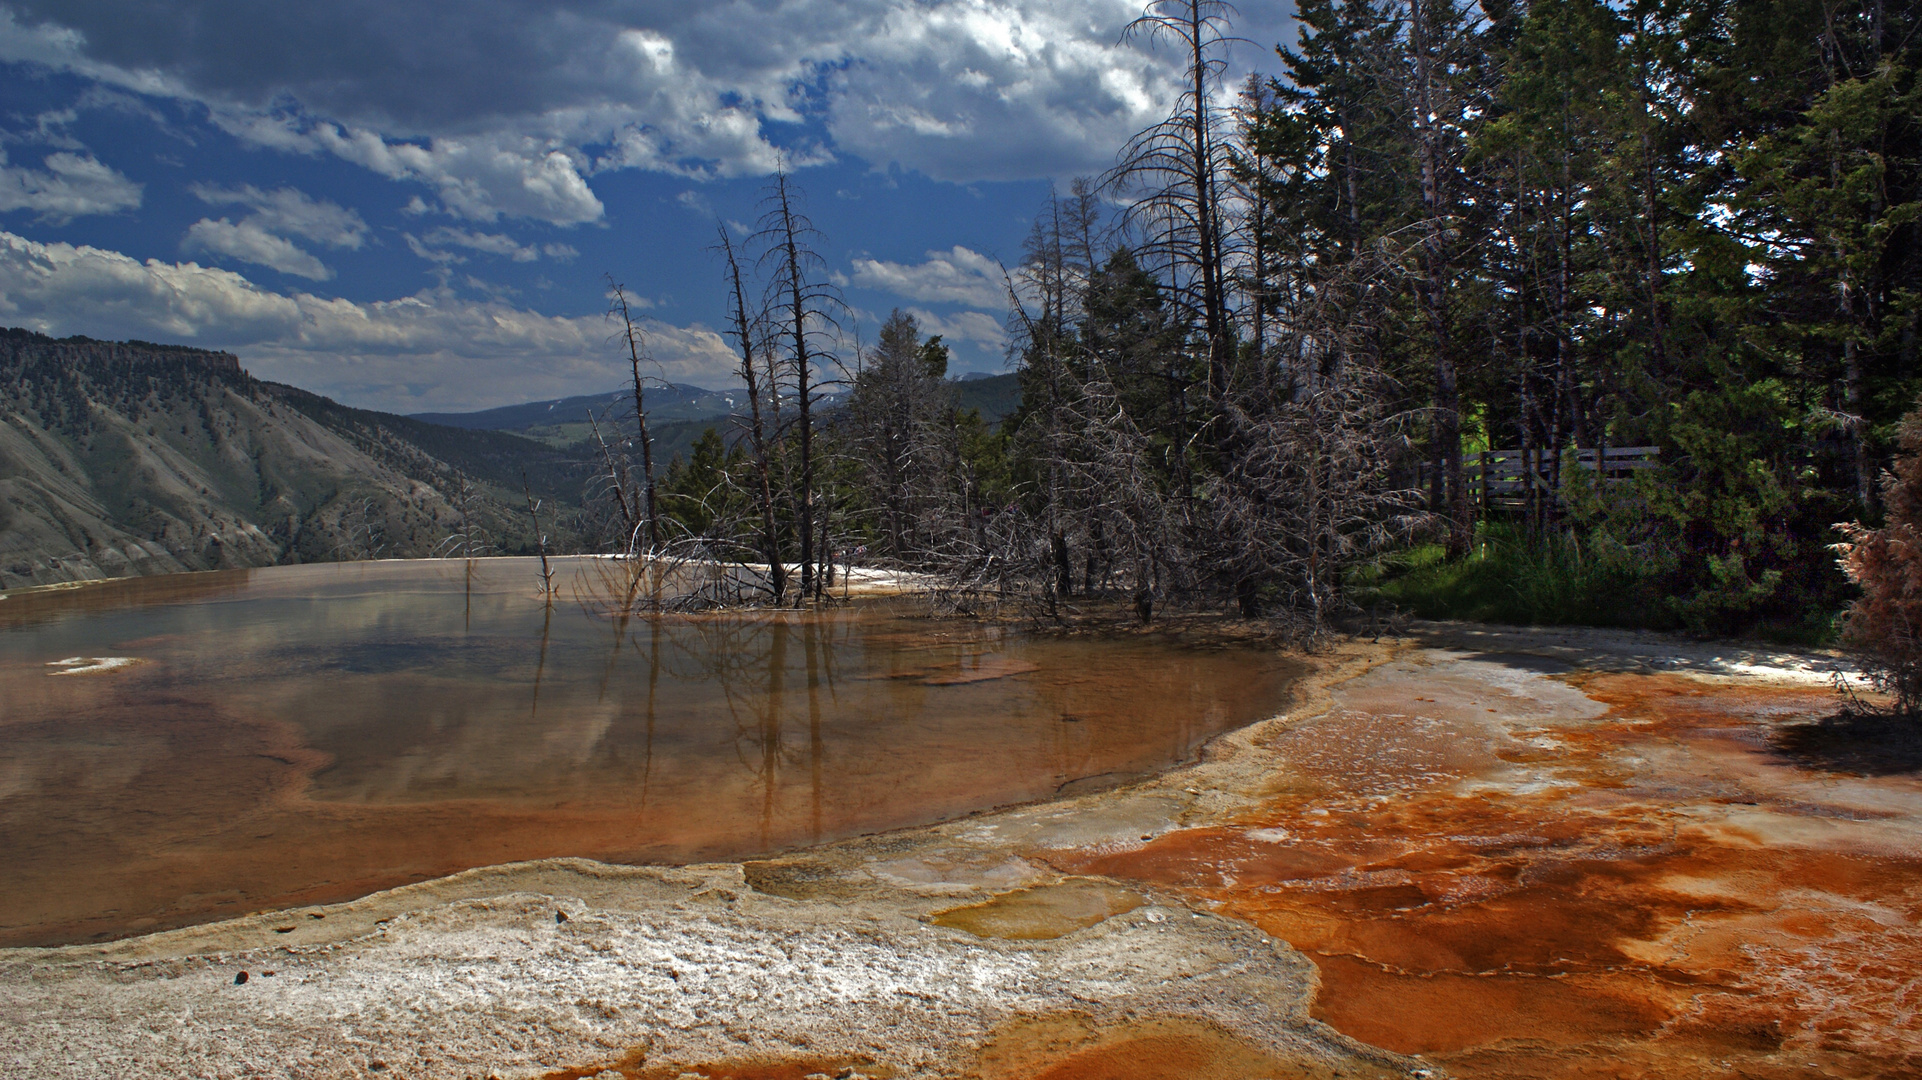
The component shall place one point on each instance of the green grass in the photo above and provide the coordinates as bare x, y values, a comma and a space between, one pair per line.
1562, 581
1507, 578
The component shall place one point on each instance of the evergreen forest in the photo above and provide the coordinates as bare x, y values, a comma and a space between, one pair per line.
1551, 311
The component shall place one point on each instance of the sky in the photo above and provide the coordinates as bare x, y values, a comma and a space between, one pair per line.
416, 206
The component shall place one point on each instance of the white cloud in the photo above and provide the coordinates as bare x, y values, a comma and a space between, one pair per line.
478, 177
261, 238
432, 351
973, 327
959, 276
286, 210
997, 89
67, 186
433, 246
507, 114
491, 243
49, 129
248, 242
433, 255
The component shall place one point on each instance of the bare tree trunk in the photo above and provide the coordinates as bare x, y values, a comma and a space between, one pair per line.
1447, 450
540, 538
743, 333
1651, 209
1208, 226
1858, 419
804, 391
633, 337
617, 478
1180, 164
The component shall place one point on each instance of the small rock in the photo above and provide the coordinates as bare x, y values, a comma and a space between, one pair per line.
240, 979
560, 916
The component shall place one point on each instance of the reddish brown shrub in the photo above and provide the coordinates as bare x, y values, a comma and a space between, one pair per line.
1884, 628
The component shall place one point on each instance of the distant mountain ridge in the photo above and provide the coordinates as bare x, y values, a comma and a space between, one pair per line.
682, 408
670, 402
132, 457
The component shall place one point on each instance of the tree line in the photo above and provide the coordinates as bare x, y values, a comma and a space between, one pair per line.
1267, 347
1687, 224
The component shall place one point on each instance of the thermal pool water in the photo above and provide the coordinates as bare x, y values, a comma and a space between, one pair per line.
179, 749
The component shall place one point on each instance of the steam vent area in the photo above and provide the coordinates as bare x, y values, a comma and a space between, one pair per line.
880, 845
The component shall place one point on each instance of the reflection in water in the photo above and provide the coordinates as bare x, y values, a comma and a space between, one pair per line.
313, 733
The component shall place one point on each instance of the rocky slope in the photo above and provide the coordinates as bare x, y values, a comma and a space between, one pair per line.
124, 458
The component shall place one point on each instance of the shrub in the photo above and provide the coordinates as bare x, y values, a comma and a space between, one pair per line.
1884, 628
1511, 578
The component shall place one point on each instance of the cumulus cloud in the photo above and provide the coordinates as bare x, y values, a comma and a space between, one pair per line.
431, 351
478, 177
972, 327
997, 89
505, 109
286, 210
261, 238
433, 246
248, 242
959, 276
66, 186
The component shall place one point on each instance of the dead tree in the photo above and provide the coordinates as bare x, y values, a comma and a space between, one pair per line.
1176, 178
759, 384
469, 538
1419, 68
808, 309
636, 345
613, 480
540, 538
1272, 526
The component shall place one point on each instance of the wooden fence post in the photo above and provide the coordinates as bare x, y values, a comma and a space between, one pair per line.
1484, 460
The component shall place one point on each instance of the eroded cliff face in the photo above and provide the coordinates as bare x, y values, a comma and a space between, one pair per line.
121, 458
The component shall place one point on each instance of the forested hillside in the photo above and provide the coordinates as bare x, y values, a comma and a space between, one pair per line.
130, 457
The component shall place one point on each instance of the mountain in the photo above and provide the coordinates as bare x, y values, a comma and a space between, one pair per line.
677, 415
995, 395
129, 457
669, 402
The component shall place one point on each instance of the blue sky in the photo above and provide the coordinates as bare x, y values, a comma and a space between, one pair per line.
414, 206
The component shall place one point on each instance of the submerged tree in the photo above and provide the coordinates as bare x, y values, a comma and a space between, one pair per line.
804, 311
640, 512
761, 396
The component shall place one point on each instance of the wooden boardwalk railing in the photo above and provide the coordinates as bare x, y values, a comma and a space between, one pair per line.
1502, 478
